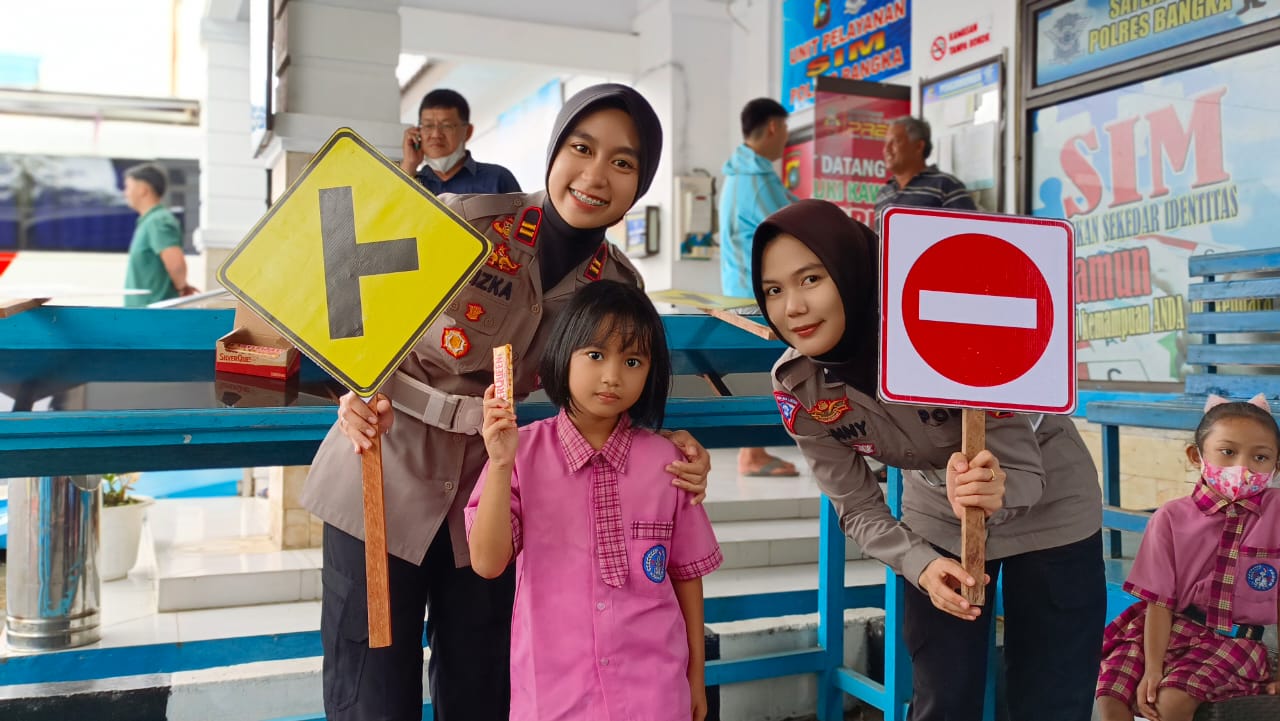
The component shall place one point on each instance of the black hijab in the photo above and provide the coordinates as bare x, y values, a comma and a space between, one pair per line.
850, 252
574, 245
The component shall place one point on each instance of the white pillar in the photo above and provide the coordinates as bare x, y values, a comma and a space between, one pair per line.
233, 184
683, 68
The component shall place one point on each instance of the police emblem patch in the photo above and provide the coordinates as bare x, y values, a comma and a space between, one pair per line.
474, 311
864, 449
530, 221
655, 563
454, 341
787, 405
502, 226
500, 258
1261, 576
829, 410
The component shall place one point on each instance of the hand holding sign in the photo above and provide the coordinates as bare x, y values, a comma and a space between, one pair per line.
976, 312
337, 267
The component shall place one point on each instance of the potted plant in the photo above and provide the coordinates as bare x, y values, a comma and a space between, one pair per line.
120, 525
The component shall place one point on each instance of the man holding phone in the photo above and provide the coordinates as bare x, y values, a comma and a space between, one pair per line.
440, 139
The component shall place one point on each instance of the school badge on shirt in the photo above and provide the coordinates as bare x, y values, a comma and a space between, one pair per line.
1261, 576
655, 563
829, 410
787, 405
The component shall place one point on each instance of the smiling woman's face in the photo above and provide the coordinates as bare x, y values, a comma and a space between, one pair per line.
596, 171
801, 298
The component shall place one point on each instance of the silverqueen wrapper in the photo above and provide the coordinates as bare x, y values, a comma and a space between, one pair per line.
502, 385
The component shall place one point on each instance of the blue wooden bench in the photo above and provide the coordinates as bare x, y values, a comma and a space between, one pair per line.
1230, 366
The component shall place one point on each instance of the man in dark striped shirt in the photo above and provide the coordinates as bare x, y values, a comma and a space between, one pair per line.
906, 145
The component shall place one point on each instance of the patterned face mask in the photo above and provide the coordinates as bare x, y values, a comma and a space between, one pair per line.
1234, 482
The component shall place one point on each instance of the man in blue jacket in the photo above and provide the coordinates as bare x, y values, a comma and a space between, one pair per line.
752, 192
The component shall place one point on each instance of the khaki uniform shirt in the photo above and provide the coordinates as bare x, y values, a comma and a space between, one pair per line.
428, 473
1052, 494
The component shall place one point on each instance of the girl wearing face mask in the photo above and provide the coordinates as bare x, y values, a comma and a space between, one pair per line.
815, 275
602, 157
1206, 576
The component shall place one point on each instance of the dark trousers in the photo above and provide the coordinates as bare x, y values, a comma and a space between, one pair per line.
1055, 606
468, 627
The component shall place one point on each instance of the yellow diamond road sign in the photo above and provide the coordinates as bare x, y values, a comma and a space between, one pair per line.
354, 262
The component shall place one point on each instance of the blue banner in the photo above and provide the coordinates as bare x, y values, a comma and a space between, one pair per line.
856, 39
1083, 35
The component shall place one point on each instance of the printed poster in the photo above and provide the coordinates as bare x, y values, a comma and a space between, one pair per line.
1151, 174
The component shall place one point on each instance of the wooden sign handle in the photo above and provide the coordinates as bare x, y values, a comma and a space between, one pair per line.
973, 526
375, 547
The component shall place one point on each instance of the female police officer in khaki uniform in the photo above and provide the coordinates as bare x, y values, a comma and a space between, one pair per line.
603, 155
815, 276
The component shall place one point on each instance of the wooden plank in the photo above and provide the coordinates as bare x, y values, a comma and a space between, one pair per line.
1261, 260
1234, 289
741, 321
375, 547
973, 526
1233, 386
1240, 354
1254, 321
12, 306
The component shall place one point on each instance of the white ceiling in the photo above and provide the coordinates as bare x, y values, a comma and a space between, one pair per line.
610, 15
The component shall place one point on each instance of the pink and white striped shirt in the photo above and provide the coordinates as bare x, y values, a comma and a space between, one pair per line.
596, 631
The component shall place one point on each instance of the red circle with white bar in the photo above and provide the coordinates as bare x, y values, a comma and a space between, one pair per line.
980, 330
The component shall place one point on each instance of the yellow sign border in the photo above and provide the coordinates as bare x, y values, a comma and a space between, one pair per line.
338, 135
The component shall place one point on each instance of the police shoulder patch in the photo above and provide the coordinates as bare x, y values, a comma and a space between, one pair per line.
787, 405
530, 222
595, 268
829, 410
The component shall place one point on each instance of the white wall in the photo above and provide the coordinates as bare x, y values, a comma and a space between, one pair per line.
933, 18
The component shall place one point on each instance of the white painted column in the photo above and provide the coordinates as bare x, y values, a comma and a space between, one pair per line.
233, 184
682, 67
340, 71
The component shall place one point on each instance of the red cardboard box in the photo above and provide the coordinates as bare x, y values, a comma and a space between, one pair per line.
255, 348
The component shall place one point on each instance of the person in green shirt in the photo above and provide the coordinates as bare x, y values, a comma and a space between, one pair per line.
156, 263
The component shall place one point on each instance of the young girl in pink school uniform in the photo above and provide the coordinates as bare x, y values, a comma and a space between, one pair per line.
609, 555
1206, 574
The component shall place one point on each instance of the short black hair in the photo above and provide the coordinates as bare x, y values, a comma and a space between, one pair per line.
152, 174
757, 114
1234, 409
595, 312
446, 98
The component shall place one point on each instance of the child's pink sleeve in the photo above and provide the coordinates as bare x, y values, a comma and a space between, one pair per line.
1154, 576
694, 550
473, 504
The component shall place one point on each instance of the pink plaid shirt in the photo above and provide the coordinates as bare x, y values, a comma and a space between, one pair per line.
1176, 563
596, 632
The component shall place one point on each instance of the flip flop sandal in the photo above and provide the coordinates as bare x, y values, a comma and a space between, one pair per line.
769, 468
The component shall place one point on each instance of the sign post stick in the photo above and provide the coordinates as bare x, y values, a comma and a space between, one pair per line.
973, 526
375, 545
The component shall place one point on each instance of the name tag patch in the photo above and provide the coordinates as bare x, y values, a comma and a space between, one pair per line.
493, 284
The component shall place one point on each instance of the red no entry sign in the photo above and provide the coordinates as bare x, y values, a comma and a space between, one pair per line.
977, 311
981, 330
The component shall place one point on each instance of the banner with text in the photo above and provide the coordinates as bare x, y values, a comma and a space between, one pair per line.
848, 147
1150, 174
1083, 35
855, 40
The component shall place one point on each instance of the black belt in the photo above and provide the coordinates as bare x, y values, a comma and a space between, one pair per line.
1241, 630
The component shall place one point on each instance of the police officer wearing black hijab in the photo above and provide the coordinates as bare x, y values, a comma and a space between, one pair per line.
547, 245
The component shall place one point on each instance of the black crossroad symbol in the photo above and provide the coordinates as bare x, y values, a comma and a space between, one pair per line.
346, 261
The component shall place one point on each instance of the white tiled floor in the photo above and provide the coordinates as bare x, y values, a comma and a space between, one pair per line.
223, 540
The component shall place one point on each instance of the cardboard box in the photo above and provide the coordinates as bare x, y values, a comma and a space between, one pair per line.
255, 348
